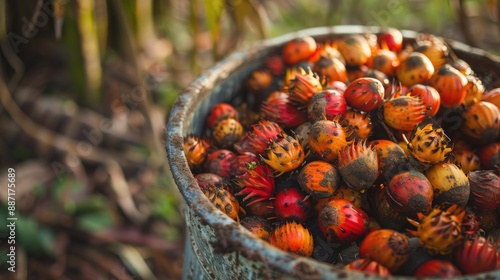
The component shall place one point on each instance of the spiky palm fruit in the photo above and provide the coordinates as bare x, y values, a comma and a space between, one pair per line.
358, 165
360, 123
304, 87
429, 95
294, 238
279, 109
242, 162
477, 254
429, 145
327, 139
482, 122
404, 113
257, 140
257, 184
195, 150
224, 201
441, 230
284, 154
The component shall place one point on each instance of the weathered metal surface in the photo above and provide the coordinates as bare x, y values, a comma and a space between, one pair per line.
216, 246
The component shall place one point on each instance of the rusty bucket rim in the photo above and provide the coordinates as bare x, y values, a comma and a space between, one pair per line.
188, 186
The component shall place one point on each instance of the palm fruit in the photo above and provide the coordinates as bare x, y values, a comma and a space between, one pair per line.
450, 84
292, 204
223, 200
331, 69
368, 266
219, 112
476, 254
415, 69
319, 179
359, 123
466, 159
365, 94
358, 165
485, 190
409, 193
490, 156
326, 104
206, 179
387, 247
441, 230
391, 39
242, 162
302, 133
450, 184
404, 113
342, 222
257, 140
482, 122
227, 132
299, 49
278, 109
391, 158
384, 212
429, 145
429, 96
259, 226
219, 162
256, 184
493, 96
259, 81
474, 90
437, 269
284, 154
434, 49
196, 151
294, 238
385, 61
327, 138
355, 50
303, 88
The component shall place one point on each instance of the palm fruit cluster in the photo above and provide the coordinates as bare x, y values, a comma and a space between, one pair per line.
362, 151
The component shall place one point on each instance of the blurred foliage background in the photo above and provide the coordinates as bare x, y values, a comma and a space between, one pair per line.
85, 90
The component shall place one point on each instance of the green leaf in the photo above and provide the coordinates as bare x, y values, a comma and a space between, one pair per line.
94, 222
34, 238
213, 15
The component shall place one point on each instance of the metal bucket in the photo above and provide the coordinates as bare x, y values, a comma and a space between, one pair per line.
216, 246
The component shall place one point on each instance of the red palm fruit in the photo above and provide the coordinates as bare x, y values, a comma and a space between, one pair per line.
493, 96
294, 238
221, 111
284, 154
331, 68
429, 96
299, 49
206, 179
404, 113
390, 156
436, 51
450, 84
279, 110
358, 165
195, 150
275, 64
342, 222
328, 103
490, 156
395, 89
416, 69
227, 132
327, 138
360, 123
368, 266
441, 230
467, 160
344, 192
450, 184
482, 122
259, 226
477, 254
391, 39
437, 269
257, 184
409, 193
319, 179
355, 49
485, 190
336, 85
219, 162
303, 88
470, 223
384, 212
242, 162
258, 139
223, 200
428, 145
384, 61
365, 94
387, 247
474, 90
292, 204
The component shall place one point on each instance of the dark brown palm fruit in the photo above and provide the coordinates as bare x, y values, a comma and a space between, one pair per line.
358, 165
259, 226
